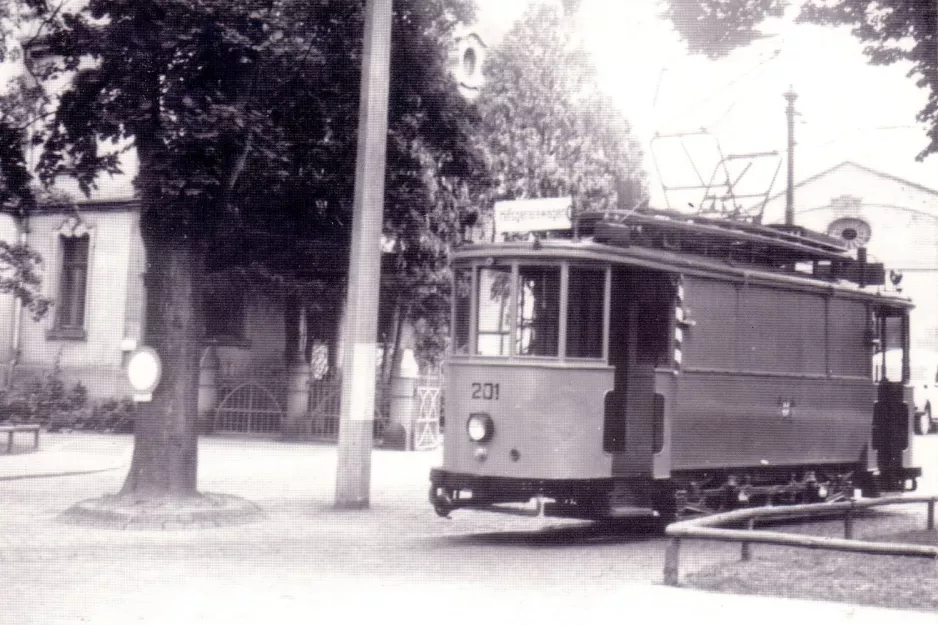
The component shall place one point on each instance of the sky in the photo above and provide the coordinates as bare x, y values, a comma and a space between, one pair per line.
847, 109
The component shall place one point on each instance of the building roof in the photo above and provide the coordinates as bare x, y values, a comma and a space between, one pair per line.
863, 168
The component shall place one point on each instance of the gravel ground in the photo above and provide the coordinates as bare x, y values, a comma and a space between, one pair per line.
307, 560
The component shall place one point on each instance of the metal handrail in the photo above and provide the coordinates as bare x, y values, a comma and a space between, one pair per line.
706, 528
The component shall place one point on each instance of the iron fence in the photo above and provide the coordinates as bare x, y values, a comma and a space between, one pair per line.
710, 528
250, 406
325, 408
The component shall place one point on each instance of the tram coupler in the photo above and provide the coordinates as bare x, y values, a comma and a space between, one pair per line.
441, 501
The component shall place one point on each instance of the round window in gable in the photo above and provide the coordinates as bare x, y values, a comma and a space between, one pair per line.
851, 231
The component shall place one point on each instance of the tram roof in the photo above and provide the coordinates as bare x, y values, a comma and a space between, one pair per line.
672, 241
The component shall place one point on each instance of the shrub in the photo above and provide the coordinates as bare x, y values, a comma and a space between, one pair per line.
112, 415
47, 400
41, 399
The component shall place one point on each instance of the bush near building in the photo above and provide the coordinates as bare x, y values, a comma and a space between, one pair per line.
47, 400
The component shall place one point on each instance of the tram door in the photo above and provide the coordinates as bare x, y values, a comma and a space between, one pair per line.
642, 305
893, 396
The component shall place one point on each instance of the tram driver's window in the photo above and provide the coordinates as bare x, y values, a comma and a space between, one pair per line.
538, 313
462, 300
585, 312
494, 319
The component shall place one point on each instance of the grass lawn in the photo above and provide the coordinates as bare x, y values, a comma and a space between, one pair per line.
885, 581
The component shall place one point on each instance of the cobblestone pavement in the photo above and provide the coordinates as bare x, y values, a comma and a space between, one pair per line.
308, 561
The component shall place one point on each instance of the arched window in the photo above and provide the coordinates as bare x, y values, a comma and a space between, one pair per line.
470, 62
73, 246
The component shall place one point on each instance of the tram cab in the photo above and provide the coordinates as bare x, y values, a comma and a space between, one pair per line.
628, 373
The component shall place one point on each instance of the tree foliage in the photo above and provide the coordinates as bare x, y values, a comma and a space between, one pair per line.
714, 28
21, 104
892, 31
547, 129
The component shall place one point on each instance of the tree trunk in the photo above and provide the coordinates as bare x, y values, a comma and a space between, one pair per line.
166, 429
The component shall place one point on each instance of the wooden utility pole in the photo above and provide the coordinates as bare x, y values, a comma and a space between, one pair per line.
790, 95
356, 423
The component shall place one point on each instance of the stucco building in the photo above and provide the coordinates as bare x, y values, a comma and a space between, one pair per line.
93, 269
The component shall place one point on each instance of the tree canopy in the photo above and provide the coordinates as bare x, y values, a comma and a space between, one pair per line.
547, 129
892, 31
243, 117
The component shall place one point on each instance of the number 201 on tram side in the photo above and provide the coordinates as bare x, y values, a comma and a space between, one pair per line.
594, 378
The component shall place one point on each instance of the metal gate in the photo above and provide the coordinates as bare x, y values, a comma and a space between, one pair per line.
427, 424
325, 407
249, 408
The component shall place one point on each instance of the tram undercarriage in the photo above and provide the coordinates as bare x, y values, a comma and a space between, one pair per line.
685, 494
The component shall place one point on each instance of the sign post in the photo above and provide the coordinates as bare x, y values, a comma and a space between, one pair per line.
144, 370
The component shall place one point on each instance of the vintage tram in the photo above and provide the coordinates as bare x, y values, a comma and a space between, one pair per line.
656, 363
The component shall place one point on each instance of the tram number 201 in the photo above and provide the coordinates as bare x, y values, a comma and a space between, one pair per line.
484, 390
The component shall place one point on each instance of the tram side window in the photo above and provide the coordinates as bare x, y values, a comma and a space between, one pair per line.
462, 301
538, 313
585, 312
494, 320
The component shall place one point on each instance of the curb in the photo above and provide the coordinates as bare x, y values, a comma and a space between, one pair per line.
127, 512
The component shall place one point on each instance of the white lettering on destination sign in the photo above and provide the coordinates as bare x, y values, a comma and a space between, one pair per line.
533, 215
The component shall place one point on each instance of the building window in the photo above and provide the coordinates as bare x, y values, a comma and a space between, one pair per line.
469, 62
73, 285
852, 232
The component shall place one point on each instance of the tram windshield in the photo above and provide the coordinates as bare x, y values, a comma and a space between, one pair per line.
538, 311
494, 319
542, 310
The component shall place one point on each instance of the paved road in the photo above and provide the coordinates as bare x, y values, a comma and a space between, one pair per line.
309, 561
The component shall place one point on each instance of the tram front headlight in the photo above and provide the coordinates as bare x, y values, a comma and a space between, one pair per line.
480, 427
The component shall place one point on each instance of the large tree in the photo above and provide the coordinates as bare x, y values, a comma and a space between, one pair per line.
243, 117
547, 128
893, 30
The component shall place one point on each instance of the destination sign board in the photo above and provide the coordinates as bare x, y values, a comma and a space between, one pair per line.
533, 215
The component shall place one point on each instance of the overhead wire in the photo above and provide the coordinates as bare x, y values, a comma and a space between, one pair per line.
760, 68
718, 89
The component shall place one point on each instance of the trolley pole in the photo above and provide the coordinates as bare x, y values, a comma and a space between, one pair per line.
356, 422
790, 95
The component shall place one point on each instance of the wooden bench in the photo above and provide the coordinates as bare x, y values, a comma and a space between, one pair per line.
10, 430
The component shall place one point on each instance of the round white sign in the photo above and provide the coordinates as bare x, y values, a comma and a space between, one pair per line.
144, 370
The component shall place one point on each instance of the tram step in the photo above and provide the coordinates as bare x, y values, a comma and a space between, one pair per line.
629, 512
